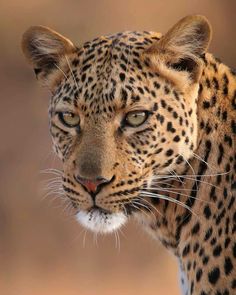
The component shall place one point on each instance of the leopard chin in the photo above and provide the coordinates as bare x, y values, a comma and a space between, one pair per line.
100, 221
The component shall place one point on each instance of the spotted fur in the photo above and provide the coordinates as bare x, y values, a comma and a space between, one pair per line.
175, 173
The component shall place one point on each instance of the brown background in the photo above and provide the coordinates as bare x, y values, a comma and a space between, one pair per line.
41, 246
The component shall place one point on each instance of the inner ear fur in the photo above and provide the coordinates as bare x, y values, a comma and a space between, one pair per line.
182, 47
44, 50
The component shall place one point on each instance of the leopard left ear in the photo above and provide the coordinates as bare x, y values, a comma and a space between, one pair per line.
183, 45
45, 50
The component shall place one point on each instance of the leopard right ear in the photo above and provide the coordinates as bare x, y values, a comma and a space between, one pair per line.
182, 47
46, 50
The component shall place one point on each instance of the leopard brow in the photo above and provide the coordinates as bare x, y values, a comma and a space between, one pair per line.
64, 107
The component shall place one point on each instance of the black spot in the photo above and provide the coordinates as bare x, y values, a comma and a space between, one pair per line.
196, 228
213, 241
205, 260
234, 100
213, 275
175, 115
192, 287
122, 76
233, 285
215, 82
228, 140
208, 234
227, 241
160, 118
75, 62
234, 250
167, 90
124, 95
201, 252
176, 138
221, 153
83, 77
226, 82
208, 84
207, 211
169, 152
217, 250
196, 247
153, 93
233, 126
206, 104
155, 107
140, 90
189, 265
200, 89
170, 127
156, 85
186, 250
224, 115
228, 266
198, 275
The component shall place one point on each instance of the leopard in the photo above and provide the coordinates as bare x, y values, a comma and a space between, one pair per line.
144, 124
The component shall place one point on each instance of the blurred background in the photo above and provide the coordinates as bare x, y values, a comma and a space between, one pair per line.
42, 249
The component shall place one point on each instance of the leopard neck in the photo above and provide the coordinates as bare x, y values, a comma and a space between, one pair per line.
205, 190
203, 222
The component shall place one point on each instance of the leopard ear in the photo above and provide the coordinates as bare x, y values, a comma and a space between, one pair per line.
183, 45
45, 50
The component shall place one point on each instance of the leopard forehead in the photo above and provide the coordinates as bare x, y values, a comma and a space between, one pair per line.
97, 70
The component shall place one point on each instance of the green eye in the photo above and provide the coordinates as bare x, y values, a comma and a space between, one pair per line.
136, 118
69, 119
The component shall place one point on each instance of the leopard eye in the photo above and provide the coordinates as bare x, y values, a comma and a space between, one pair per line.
69, 119
136, 118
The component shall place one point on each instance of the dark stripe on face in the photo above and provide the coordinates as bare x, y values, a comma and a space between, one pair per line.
71, 191
61, 130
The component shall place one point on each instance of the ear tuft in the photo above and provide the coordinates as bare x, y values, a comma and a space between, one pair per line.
44, 48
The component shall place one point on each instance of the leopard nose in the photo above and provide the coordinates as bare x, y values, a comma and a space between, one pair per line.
93, 185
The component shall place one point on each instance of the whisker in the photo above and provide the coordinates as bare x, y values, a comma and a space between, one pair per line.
142, 205
182, 175
117, 240
52, 171
188, 177
68, 62
151, 205
84, 237
202, 160
140, 209
191, 167
174, 190
175, 174
61, 70
188, 196
167, 198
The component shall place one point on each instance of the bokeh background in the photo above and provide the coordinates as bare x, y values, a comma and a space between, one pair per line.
42, 249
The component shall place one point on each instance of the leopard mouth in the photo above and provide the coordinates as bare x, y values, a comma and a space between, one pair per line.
101, 221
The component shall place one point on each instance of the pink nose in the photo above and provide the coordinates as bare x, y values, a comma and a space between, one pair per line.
92, 184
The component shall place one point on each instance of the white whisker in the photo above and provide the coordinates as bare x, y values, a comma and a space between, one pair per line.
61, 70
167, 198
68, 62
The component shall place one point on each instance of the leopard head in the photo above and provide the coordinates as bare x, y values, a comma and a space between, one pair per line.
123, 112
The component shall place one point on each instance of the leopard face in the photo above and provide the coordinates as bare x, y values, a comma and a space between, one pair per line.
123, 113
